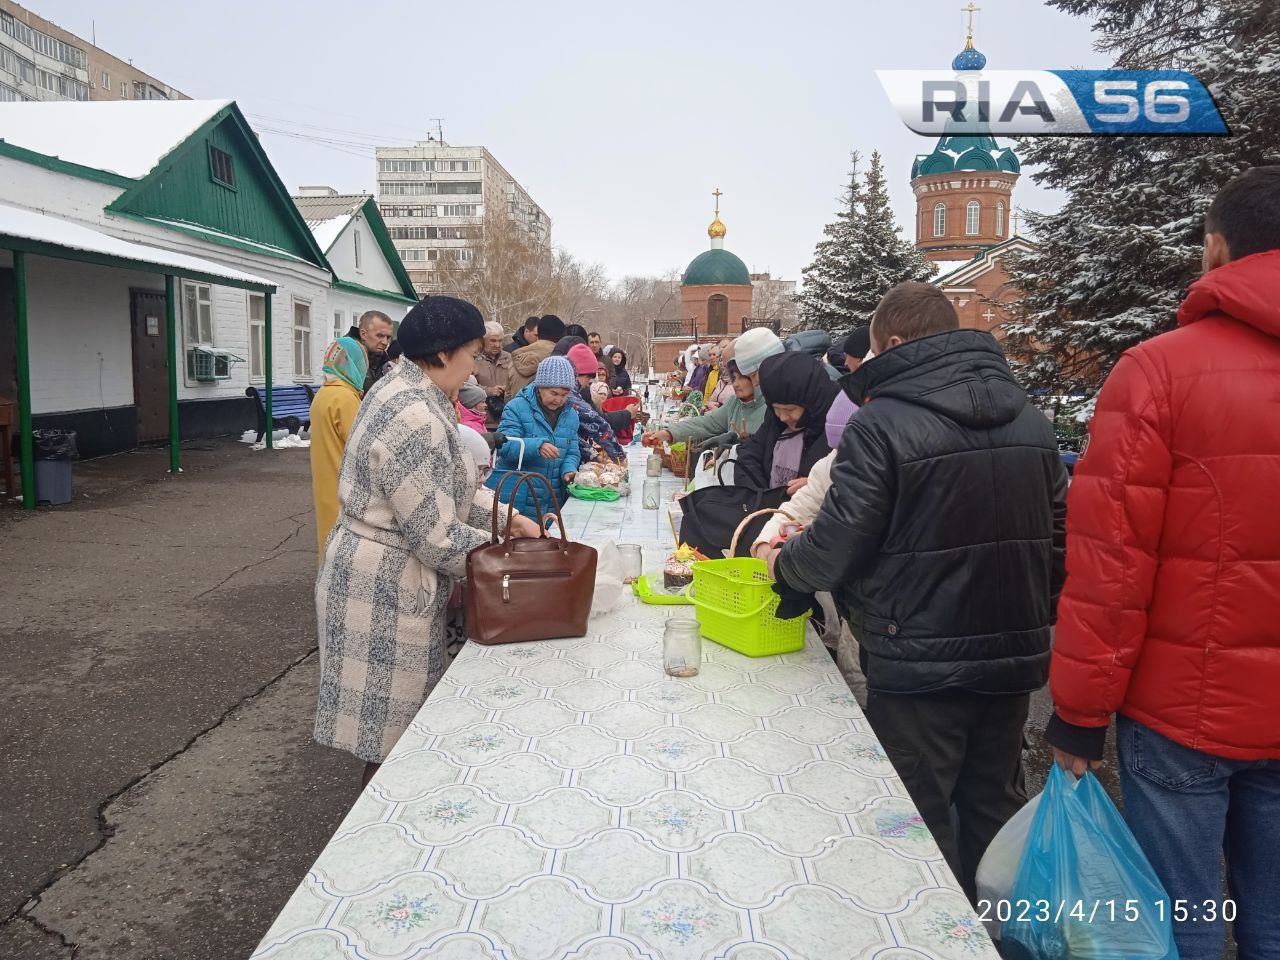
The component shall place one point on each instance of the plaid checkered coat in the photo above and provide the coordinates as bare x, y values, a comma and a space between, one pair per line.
409, 513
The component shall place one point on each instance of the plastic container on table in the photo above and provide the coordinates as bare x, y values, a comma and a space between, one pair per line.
735, 602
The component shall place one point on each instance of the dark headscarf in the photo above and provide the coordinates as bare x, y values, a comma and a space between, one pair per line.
792, 378
618, 375
799, 379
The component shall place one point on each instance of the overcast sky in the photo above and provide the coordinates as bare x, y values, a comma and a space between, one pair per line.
618, 118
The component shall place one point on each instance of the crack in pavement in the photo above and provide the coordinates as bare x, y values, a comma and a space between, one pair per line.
276, 551
106, 831
66, 944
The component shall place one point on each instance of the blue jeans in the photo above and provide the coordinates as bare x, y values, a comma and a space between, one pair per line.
1187, 810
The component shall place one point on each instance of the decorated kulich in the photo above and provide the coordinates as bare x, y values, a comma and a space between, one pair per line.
677, 573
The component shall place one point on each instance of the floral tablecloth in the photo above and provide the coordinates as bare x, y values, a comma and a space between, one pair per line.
567, 799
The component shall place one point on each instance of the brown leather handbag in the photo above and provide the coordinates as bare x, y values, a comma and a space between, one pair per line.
528, 588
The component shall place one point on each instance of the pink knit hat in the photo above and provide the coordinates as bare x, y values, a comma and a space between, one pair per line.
583, 360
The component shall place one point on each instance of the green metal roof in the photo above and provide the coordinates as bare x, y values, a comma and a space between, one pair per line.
966, 153
716, 267
258, 209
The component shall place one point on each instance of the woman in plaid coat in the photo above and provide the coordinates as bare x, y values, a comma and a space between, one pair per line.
410, 510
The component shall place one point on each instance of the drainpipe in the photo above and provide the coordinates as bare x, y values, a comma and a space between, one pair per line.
171, 347
26, 443
266, 362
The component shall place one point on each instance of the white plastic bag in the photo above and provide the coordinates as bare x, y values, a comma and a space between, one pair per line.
708, 474
608, 577
999, 865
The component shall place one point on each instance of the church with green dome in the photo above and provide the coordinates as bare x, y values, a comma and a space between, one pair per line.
965, 216
715, 296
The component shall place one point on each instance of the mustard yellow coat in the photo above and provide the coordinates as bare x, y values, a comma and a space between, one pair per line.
333, 411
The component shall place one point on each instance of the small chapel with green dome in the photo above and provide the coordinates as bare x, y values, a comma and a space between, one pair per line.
715, 298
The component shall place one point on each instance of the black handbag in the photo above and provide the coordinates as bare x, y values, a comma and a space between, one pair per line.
712, 515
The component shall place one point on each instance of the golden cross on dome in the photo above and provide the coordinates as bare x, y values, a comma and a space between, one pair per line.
971, 10
717, 194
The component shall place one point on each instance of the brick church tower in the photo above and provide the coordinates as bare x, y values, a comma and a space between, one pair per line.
965, 220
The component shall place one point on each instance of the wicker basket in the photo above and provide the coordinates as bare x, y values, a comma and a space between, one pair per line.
679, 462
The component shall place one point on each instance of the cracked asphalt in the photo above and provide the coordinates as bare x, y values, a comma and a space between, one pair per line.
162, 795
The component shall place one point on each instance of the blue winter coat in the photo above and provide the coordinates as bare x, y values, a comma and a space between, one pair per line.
523, 417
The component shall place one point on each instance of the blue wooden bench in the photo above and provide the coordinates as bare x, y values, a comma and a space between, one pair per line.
290, 407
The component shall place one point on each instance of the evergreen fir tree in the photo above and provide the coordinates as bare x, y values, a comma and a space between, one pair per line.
862, 255
1114, 263
888, 258
825, 300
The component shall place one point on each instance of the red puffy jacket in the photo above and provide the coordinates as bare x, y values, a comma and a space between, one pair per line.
1171, 610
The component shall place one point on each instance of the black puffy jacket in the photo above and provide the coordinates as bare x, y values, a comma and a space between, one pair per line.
942, 535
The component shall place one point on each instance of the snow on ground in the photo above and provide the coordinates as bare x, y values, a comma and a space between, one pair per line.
281, 440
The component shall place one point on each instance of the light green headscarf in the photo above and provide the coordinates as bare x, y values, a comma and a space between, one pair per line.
345, 360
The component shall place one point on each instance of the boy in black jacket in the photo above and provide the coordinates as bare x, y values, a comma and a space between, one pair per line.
942, 540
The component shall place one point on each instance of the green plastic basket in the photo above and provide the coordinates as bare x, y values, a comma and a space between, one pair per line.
735, 603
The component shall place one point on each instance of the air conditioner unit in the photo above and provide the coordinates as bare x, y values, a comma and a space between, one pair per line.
205, 364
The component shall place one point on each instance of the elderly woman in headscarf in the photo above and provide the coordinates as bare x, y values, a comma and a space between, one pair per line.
410, 510
333, 411
793, 436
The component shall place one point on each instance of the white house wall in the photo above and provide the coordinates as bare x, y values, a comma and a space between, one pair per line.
352, 305
79, 333
374, 271
83, 201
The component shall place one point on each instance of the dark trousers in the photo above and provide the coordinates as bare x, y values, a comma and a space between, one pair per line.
956, 749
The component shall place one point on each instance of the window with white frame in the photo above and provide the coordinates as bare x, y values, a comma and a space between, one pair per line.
972, 215
357, 243
1000, 219
940, 220
301, 340
459, 209
339, 324
197, 314
257, 336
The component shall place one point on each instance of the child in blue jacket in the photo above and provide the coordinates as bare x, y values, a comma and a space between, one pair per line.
542, 417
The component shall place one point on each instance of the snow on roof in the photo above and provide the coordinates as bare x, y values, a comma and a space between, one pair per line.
948, 267
198, 229
29, 225
127, 137
327, 232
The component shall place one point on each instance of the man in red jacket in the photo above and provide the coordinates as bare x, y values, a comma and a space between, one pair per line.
1171, 612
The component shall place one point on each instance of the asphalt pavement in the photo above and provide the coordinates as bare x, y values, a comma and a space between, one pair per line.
162, 794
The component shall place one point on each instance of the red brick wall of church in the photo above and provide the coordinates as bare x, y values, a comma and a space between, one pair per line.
971, 300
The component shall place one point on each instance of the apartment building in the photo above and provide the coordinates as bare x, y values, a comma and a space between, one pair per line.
41, 61
434, 198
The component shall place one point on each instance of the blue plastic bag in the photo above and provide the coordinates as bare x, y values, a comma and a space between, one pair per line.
1084, 889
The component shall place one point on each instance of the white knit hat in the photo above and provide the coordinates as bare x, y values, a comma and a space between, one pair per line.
753, 347
492, 329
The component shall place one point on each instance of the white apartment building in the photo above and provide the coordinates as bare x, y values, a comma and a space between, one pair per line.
434, 198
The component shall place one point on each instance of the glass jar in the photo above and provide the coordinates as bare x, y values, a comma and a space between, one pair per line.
632, 561
653, 466
652, 493
682, 647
